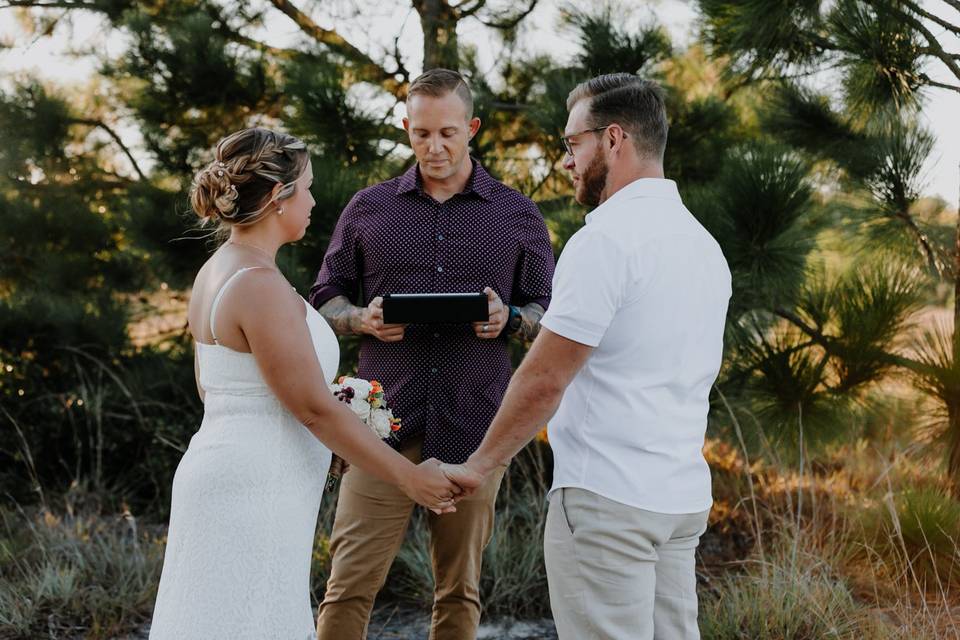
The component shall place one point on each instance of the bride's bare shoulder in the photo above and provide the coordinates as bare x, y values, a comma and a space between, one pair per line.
258, 284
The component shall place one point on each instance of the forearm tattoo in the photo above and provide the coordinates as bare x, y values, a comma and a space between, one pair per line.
530, 324
342, 316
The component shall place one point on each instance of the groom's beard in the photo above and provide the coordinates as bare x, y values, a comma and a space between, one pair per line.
593, 181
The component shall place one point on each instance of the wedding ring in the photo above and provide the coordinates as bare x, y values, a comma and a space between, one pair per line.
485, 327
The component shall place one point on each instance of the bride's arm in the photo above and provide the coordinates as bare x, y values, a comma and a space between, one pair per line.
272, 320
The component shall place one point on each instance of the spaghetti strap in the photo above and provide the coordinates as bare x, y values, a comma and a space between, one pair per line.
216, 299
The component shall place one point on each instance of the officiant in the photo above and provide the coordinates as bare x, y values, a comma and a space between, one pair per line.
444, 226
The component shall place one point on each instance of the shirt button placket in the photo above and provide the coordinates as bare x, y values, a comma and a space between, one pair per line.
432, 414
439, 252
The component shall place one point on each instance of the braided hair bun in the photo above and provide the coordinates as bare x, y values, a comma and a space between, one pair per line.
236, 187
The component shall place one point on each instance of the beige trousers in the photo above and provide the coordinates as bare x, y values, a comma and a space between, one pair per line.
620, 573
371, 520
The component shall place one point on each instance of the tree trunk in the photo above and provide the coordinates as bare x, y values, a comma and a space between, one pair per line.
956, 290
953, 408
953, 447
439, 22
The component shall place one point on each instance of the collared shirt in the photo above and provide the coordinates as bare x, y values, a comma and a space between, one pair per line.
645, 285
443, 381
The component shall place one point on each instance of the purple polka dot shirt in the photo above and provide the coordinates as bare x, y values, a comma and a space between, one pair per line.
441, 380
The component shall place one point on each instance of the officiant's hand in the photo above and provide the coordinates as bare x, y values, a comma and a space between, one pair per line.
428, 486
372, 323
497, 317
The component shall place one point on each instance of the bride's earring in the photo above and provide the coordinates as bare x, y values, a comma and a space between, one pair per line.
279, 211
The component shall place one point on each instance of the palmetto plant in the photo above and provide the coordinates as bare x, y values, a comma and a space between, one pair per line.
846, 334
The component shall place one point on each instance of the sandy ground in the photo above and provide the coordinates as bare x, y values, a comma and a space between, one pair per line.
394, 623
390, 623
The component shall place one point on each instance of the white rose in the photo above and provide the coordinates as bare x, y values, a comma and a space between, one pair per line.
361, 388
361, 409
358, 403
380, 422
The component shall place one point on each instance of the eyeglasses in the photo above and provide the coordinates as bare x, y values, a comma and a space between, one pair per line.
565, 140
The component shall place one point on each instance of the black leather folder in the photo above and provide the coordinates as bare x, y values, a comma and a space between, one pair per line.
434, 308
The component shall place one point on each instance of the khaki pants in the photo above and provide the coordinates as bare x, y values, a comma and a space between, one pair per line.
620, 573
371, 520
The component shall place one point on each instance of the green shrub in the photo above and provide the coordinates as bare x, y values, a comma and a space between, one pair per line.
917, 533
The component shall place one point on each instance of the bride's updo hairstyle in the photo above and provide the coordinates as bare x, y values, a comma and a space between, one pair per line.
235, 189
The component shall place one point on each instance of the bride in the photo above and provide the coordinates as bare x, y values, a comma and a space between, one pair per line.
247, 492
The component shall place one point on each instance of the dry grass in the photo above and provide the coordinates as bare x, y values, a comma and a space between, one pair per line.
75, 574
861, 542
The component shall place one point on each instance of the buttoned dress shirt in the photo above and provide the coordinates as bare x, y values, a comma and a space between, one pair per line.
443, 381
647, 286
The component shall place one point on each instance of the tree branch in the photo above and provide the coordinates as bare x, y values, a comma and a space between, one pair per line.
939, 85
65, 4
822, 339
509, 106
466, 13
746, 80
511, 22
922, 239
116, 138
539, 185
369, 69
401, 68
929, 16
226, 32
933, 52
829, 344
936, 49
239, 38
235, 36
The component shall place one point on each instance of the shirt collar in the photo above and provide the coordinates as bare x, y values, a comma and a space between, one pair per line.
480, 182
641, 188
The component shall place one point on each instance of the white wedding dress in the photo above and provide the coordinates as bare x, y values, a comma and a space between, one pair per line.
244, 510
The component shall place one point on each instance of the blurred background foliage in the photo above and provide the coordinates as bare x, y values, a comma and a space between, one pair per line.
796, 138
815, 195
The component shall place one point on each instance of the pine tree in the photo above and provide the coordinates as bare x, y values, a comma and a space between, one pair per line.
872, 145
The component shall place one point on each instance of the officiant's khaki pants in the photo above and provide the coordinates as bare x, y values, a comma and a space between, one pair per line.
372, 518
620, 573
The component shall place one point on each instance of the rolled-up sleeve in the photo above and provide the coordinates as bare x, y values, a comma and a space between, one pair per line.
533, 281
342, 264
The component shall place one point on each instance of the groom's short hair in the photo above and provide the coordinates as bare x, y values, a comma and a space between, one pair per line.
637, 105
438, 82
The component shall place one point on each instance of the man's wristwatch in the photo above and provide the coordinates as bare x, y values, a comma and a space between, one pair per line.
514, 320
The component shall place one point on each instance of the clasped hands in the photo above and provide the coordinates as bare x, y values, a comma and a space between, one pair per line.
371, 320
439, 486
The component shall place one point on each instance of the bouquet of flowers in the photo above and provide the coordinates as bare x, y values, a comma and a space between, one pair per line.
368, 402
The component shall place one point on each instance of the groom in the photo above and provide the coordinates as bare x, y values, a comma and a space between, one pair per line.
622, 369
444, 226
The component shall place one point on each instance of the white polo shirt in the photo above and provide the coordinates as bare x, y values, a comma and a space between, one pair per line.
647, 286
